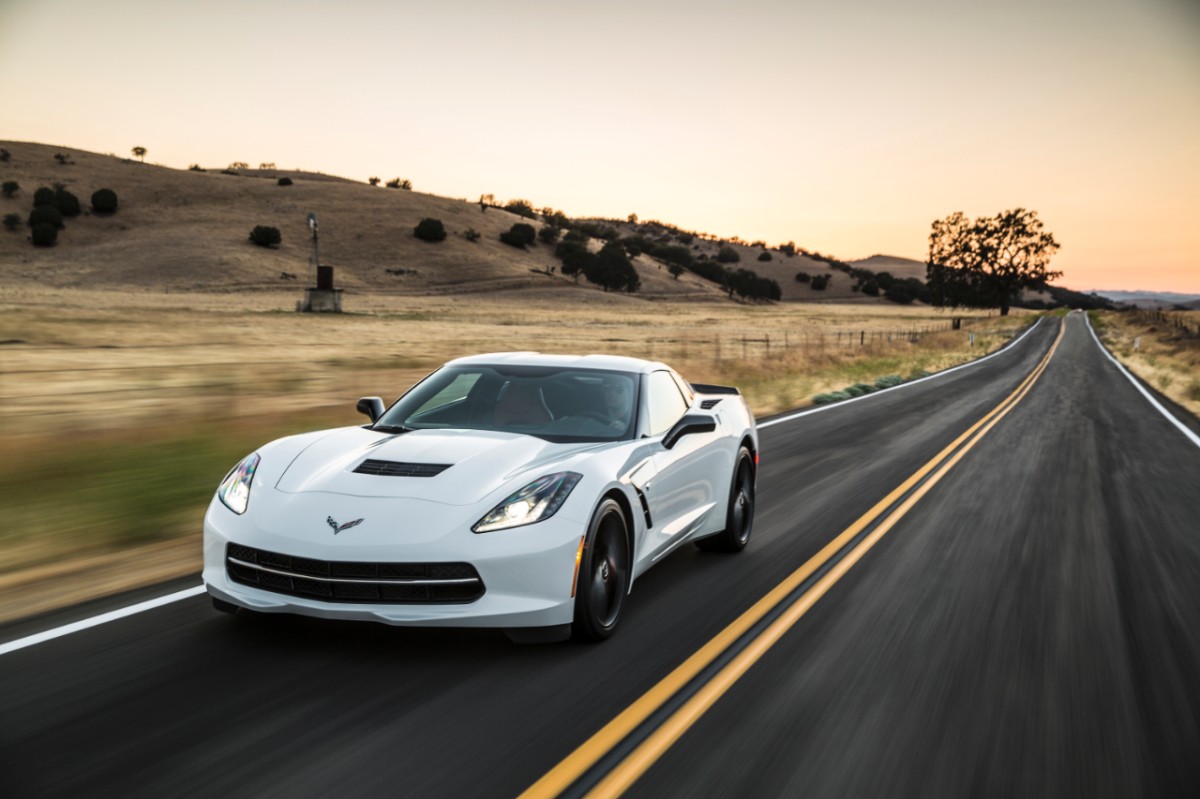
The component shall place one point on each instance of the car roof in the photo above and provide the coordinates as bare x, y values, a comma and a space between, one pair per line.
613, 363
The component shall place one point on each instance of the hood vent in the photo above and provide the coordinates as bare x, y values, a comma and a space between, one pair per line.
709, 404
398, 469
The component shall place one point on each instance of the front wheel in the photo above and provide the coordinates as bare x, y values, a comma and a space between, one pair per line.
603, 579
739, 516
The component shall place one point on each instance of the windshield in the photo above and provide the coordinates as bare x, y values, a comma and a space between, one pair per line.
557, 404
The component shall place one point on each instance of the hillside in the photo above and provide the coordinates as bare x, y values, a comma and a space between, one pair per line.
898, 267
185, 230
181, 230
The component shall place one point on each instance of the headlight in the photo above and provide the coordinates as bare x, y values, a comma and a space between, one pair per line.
539, 500
235, 488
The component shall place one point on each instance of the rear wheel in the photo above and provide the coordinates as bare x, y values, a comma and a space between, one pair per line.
739, 516
604, 571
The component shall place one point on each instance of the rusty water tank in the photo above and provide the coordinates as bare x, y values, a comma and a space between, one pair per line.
325, 278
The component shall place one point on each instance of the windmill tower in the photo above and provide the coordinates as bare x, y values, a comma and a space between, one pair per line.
321, 296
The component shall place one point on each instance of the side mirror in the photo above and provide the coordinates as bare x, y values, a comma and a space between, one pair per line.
690, 423
371, 407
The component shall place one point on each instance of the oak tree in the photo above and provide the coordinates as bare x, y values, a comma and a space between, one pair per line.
987, 262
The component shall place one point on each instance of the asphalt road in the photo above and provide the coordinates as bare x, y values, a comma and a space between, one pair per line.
1030, 627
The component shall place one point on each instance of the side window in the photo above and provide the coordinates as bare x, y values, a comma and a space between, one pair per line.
664, 403
684, 388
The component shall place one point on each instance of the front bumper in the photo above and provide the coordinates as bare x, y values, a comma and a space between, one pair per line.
527, 572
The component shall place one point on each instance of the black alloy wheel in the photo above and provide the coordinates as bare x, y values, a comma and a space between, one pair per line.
739, 517
603, 579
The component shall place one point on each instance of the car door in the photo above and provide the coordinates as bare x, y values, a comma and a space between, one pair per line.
681, 490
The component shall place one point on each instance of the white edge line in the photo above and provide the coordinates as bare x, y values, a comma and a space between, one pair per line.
1149, 397
844, 403
150, 604
103, 618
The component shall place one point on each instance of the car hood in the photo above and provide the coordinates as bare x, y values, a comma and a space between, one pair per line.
479, 462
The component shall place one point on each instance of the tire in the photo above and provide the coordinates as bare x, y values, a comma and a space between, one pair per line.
739, 514
604, 573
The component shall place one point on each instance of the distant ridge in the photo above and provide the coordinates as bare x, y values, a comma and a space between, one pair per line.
1167, 297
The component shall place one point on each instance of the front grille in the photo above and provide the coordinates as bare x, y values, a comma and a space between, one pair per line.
343, 581
399, 469
709, 404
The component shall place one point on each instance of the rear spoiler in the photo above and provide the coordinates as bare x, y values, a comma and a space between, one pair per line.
704, 388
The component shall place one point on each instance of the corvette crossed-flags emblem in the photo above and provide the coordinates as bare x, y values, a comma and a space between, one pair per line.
337, 528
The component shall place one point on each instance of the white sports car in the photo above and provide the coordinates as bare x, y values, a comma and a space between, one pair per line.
511, 490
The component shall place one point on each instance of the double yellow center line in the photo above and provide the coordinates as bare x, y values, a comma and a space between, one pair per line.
607, 763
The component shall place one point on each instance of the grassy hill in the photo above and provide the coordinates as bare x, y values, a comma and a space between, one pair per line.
894, 265
185, 230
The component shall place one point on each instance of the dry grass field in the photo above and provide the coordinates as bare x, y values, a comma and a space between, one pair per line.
1160, 347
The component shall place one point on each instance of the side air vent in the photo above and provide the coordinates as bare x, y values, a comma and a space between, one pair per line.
398, 469
709, 404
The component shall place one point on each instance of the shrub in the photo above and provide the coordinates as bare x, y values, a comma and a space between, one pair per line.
397, 183
228, 171
285, 181
373, 181
46, 215
519, 235
598, 230
685, 238
265, 236
5, 155
820, 282
104, 201
429, 229
863, 388
803, 277
520, 208
611, 269
832, 396
196, 168
568, 246
548, 235
728, 255
673, 254
900, 292
12, 221
68, 203
870, 288
43, 196
472, 235
577, 262
764, 256
10, 188
889, 381
44, 235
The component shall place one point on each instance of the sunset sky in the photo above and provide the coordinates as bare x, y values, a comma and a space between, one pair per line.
847, 129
